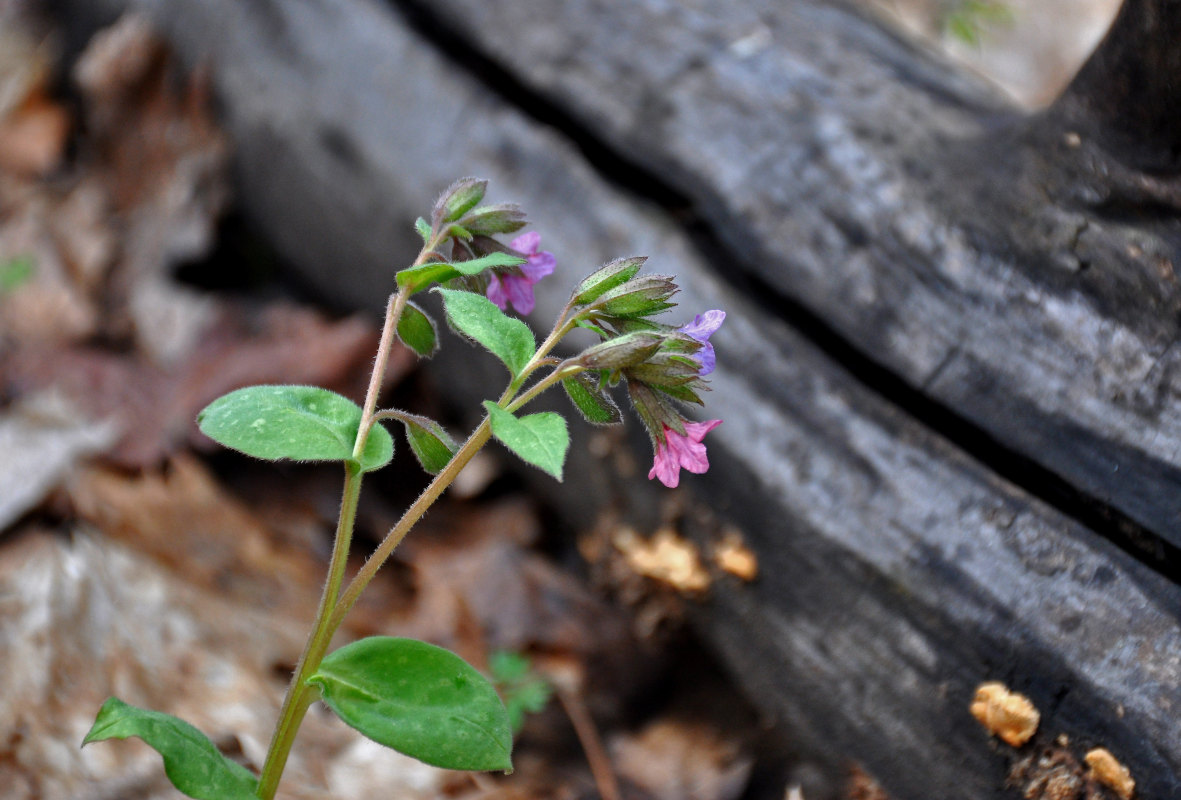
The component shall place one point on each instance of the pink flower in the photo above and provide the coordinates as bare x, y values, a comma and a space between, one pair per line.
701, 328
518, 289
677, 452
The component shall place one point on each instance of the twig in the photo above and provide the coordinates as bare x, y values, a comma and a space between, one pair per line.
592, 744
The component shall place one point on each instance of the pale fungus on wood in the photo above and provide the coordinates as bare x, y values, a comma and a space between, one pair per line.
1108, 771
1007, 715
666, 557
732, 555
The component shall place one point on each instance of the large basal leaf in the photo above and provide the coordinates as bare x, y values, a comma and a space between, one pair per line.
302, 423
478, 318
421, 700
539, 439
192, 762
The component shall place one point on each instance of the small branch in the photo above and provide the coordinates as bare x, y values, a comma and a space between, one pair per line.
592, 744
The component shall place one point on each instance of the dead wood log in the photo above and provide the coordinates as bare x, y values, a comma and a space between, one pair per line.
907, 222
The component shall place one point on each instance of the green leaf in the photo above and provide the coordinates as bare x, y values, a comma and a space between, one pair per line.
15, 272
432, 445
478, 318
522, 689
303, 423
424, 229
494, 259
421, 700
539, 439
417, 331
194, 765
459, 198
415, 279
594, 403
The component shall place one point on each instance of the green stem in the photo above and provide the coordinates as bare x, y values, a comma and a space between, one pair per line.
565, 370
335, 604
393, 313
299, 695
413, 514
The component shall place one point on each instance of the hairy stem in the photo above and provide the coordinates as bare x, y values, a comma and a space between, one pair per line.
299, 695
413, 514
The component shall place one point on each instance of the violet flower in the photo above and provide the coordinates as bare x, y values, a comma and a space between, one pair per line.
701, 328
679, 452
505, 288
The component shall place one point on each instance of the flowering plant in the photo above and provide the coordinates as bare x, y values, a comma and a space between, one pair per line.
416, 698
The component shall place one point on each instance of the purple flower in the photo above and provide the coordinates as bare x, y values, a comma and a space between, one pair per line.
682, 451
701, 328
518, 289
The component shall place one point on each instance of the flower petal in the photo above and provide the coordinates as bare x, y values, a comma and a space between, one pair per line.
496, 292
705, 325
697, 430
538, 265
520, 293
665, 467
526, 243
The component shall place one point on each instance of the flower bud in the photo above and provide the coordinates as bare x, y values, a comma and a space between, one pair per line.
638, 297
459, 198
665, 370
607, 277
628, 350
494, 219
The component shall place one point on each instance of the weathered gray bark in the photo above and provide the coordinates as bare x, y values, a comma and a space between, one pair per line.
1016, 277
849, 177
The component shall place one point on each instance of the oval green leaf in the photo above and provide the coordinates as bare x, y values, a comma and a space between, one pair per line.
302, 423
432, 446
194, 765
418, 699
417, 331
478, 318
538, 439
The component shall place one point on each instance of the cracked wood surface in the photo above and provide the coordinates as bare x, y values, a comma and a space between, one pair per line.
897, 571
1009, 268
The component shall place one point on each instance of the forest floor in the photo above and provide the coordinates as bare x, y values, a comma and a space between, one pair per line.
137, 559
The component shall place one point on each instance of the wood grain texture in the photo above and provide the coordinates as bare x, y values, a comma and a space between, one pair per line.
851, 175
1010, 271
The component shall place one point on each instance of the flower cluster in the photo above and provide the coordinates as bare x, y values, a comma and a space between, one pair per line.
663, 366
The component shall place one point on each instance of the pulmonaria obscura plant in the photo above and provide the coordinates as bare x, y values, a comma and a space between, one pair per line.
416, 698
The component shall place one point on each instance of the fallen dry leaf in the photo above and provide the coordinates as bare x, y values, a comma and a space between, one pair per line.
156, 406
1005, 714
33, 127
680, 760
33, 136
1107, 770
181, 517
41, 439
87, 619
